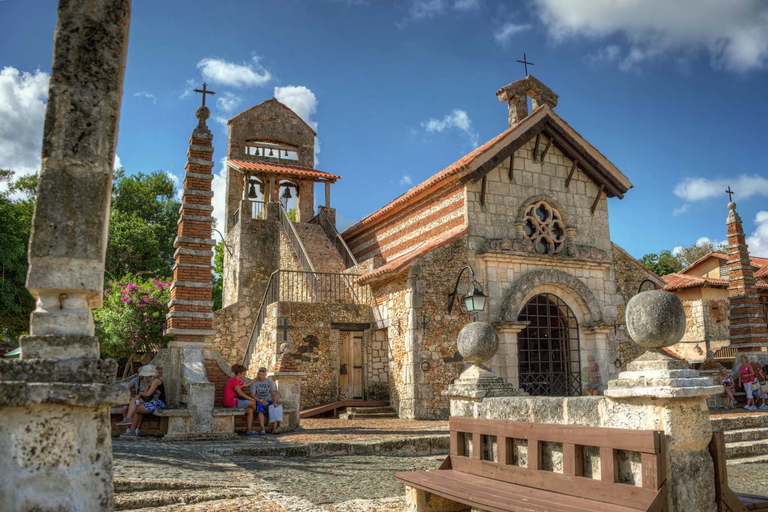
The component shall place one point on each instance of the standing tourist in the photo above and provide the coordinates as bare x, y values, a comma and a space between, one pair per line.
265, 393
235, 397
757, 385
746, 379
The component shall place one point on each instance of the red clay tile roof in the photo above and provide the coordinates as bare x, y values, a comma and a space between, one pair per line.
463, 164
267, 101
756, 261
399, 263
680, 281
288, 170
763, 272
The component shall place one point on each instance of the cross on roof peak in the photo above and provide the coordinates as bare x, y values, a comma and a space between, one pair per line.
204, 91
525, 63
730, 193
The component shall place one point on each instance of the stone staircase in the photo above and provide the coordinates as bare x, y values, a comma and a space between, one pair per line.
322, 252
367, 413
746, 436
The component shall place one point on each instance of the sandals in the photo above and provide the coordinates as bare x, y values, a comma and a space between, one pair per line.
251, 433
276, 432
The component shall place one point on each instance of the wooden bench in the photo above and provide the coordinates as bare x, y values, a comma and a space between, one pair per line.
726, 499
483, 471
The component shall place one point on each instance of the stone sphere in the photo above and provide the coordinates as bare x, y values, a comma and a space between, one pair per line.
478, 342
202, 113
655, 319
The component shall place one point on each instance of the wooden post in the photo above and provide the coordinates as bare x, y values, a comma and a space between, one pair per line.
597, 198
570, 174
511, 172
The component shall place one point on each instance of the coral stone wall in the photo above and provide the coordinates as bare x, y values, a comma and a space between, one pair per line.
377, 366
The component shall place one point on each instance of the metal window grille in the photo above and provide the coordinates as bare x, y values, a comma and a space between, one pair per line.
548, 348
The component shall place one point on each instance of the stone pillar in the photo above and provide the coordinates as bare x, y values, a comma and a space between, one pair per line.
508, 351
190, 318
55, 399
327, 194
477, 342
271, 190
667, 392
748, 331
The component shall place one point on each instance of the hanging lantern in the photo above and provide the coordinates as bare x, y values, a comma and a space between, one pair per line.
287, 193
251, 192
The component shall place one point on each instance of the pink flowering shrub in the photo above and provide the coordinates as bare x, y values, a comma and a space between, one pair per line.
132, 317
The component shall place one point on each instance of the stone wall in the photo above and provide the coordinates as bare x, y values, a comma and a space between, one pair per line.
377, 365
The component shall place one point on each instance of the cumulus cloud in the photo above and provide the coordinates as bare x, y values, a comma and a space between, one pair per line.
701, 242
219, 187
118, 163
247, 74
228, 101
23, 97
758, 242
699, 188
303, 102
504, 35
425, 9
144, 94
406, 180
456, 120
734, 34
176, 183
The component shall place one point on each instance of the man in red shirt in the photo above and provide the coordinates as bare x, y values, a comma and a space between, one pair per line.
234, 396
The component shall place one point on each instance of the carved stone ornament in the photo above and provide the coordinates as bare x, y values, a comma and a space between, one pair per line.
544, 227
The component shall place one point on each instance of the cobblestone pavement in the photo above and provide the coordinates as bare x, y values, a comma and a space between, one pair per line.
749, 479
355, 430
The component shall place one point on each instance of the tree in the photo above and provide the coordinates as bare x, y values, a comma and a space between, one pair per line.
142, 226
688, 255
663, 263
218, 275
17, 205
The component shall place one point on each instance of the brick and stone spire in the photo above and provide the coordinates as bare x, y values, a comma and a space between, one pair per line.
190, 317
748, 331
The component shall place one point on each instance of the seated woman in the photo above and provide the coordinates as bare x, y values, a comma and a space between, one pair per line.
149, 400
727, 382
235, 397
136, 385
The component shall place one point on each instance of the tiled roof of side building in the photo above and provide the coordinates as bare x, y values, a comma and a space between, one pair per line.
756, 261
475, 159
242, 165
400, 262
680, 281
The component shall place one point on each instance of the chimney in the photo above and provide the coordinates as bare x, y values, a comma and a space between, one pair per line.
517, 93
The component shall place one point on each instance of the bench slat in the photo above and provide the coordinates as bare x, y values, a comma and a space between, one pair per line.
578, 486
496, 496
643, 441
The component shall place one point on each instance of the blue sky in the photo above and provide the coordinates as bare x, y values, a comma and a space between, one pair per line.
673, 94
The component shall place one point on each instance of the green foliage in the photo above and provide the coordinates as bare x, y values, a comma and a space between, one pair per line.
218, 275
292, 214
15, 301
142, 225
663, 263
688, 255
132, 317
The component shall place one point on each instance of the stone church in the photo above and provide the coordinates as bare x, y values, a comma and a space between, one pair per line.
365, 313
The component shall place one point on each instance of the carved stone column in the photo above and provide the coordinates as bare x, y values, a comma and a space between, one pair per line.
55, 400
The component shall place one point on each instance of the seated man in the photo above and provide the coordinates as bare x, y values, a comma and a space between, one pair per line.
147, 401
235, 397
265, 393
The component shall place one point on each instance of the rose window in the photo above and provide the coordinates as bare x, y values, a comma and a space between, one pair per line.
544, 227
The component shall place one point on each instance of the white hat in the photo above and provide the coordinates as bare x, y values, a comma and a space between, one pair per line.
148, 370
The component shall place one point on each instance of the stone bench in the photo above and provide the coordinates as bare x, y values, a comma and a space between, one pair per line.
485, 469
176, 422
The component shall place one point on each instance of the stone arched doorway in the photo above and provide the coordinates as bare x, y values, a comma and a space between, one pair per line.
548, 348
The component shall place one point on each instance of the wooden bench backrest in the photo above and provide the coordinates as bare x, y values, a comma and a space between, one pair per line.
573, 438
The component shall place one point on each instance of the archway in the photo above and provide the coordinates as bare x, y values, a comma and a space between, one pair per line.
548, 348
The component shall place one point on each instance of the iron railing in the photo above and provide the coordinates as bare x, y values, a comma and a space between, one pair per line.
298, 247
330, 230
306, 287
257, 210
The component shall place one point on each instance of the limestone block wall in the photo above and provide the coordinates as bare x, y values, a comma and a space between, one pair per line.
377, 365
433, 214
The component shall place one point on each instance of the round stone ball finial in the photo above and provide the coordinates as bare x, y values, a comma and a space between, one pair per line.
655, 319
202, 113
732, 206
477, 342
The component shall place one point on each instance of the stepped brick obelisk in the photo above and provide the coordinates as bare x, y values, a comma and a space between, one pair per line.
748, 331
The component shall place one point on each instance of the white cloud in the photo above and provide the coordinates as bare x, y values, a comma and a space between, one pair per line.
758, 242
466, 5
219, 187
459, 120
406, 180
685, 208
734, 34
705, 240
677, 251
425, 9
188, 89
744, 186
303, 102
118, 163
23, 97
144, 94
176, 183
507, 31
228, 101
247, 74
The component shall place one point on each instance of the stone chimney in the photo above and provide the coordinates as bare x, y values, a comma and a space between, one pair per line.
517, 93
748, 331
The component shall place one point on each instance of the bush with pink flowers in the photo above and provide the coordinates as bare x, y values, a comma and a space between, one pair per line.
132, 318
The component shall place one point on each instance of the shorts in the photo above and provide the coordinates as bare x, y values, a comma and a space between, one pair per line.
242, 404
593, 387
154, 405
264, 409
748, 388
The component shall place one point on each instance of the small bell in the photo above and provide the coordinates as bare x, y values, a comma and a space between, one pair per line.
287, 193
270, 152
257, 152
251, 192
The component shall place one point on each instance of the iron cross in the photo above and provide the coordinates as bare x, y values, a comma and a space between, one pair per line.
525, 63
285, 328
730, 193
204, 91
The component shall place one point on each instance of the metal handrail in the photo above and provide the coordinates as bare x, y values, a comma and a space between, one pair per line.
260, 318
298, 245
333, 233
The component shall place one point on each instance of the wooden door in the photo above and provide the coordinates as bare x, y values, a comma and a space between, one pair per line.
351, 365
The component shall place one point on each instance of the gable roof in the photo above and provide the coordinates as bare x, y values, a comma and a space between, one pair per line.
278, 102
654, 276
680, 281
469, 167
242, 165
755, 260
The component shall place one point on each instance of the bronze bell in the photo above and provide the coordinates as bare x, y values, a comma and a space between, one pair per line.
252, 191
287, 193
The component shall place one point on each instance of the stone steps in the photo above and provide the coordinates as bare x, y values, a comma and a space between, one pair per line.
746, 448
746, 434
756, 459
322, 252
740, 420
142, 499
371, 413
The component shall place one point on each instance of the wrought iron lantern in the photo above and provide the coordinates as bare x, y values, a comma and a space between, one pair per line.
474, 299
